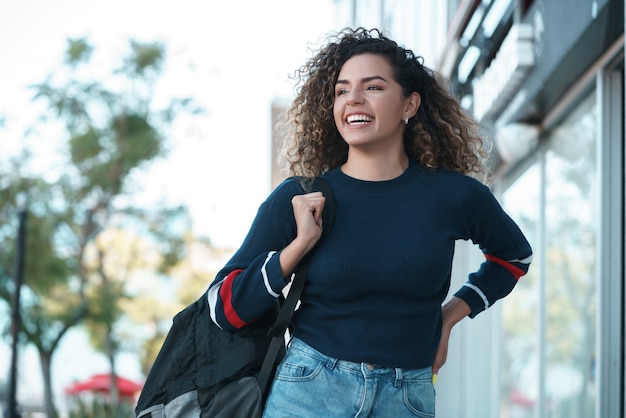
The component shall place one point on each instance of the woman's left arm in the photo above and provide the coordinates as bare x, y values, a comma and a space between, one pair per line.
452, 311
507, 252
507, 258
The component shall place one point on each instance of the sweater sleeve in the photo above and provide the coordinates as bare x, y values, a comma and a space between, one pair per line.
248, 285
507, 256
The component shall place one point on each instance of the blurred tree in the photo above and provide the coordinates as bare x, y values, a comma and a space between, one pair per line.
191, 278
51, 299
85, 239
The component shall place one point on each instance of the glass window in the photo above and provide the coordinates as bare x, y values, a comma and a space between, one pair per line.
571, 239
569, 317
519, 358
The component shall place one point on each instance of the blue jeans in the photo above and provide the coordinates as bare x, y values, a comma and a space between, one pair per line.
311, 384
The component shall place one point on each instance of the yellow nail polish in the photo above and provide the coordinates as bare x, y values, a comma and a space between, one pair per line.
434, 379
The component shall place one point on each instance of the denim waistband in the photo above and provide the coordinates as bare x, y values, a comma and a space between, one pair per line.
367, 369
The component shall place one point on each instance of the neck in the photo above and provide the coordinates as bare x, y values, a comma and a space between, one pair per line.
375, 167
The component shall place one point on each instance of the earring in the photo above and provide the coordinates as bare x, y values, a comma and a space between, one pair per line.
406, 121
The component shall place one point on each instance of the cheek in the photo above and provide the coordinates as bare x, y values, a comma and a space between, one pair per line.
394, 114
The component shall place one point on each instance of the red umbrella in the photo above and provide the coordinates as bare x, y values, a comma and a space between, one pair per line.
522, 400
102, 383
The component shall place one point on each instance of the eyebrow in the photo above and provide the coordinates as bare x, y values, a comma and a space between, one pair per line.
365, 79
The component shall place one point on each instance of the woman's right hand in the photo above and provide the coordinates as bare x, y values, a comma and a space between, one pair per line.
307, 210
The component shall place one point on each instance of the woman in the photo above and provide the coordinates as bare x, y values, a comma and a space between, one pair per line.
403, 160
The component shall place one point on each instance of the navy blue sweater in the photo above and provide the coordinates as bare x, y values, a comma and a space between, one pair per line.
377, 281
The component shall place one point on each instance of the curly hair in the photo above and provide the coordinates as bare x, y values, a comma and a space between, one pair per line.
441, 134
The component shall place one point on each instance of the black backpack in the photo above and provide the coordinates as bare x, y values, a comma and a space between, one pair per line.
203, 371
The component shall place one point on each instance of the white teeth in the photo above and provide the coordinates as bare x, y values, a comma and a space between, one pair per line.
358, 119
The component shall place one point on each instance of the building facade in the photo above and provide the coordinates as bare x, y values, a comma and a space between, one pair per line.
546, 78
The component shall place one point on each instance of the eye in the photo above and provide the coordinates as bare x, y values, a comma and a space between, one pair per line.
340, 92
373, 87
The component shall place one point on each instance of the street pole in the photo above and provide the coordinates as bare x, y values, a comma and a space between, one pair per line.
15, 308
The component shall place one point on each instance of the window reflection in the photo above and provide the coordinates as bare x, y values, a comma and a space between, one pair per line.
570, 282
520, 355
571, 232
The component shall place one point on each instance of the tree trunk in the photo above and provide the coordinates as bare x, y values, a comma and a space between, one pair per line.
46, 360
110, 346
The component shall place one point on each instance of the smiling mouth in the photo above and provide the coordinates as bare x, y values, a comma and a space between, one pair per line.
358, 119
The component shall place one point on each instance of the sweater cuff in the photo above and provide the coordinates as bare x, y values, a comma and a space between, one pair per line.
474, 297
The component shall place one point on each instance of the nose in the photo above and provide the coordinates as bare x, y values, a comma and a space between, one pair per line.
354, 97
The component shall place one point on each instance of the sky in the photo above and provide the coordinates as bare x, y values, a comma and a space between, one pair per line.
233, 56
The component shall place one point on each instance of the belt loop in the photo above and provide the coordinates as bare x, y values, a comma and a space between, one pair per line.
331, 362
398, 382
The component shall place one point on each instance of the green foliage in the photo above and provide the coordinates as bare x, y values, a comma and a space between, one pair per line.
99, 408
137, 140
145, 59
85, 148
104, 157
78, 51
45, 267
84, 242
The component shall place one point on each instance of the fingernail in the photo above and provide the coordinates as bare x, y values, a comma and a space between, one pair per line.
434, 379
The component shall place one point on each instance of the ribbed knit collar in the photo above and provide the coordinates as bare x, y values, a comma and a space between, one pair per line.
381, 188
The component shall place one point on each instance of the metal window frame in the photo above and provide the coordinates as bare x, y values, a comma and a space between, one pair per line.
611, 251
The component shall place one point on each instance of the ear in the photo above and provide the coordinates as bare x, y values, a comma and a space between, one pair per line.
412, 104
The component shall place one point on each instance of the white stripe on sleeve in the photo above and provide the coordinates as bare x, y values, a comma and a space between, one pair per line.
479, 292
266, 280
212, 301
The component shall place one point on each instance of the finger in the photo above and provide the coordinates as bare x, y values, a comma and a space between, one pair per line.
318, 211
313, 204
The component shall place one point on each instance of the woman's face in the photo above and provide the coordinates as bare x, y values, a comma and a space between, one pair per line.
369, 108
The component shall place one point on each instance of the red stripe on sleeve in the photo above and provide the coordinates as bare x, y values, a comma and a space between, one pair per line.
515, 271
226, 294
